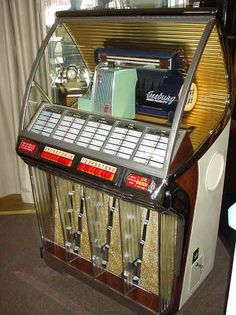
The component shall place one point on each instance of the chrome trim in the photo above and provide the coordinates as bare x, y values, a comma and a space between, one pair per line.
185, 90
41, 90
228, 66
133, 18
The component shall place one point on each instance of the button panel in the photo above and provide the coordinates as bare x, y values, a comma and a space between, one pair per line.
126, 141
131, 144
46, 122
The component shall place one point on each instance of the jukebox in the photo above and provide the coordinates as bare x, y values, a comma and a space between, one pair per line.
127, 177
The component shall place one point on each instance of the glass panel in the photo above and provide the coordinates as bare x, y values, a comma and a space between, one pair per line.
61, 76
154, 90
134, 250
69, 208
159, 84
71, 204
97, 216
159, 3
131, 220
47, 207
114, 238
140, 252
150, 256
160, 70
128, 4
69, 77
171, 241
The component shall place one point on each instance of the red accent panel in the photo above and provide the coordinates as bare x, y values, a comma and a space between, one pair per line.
96, 171
148, 299
27, 146
56, 158
113, 281
137, 181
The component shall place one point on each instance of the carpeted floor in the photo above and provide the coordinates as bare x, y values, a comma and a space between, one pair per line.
29, 287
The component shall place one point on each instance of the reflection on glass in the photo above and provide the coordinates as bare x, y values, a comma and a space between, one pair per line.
69, 77
126, 4
61, 76
131, 219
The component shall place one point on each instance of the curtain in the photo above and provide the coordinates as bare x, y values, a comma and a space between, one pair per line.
21, 33
52, 6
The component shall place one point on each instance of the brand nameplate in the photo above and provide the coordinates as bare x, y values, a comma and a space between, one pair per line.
159, 98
